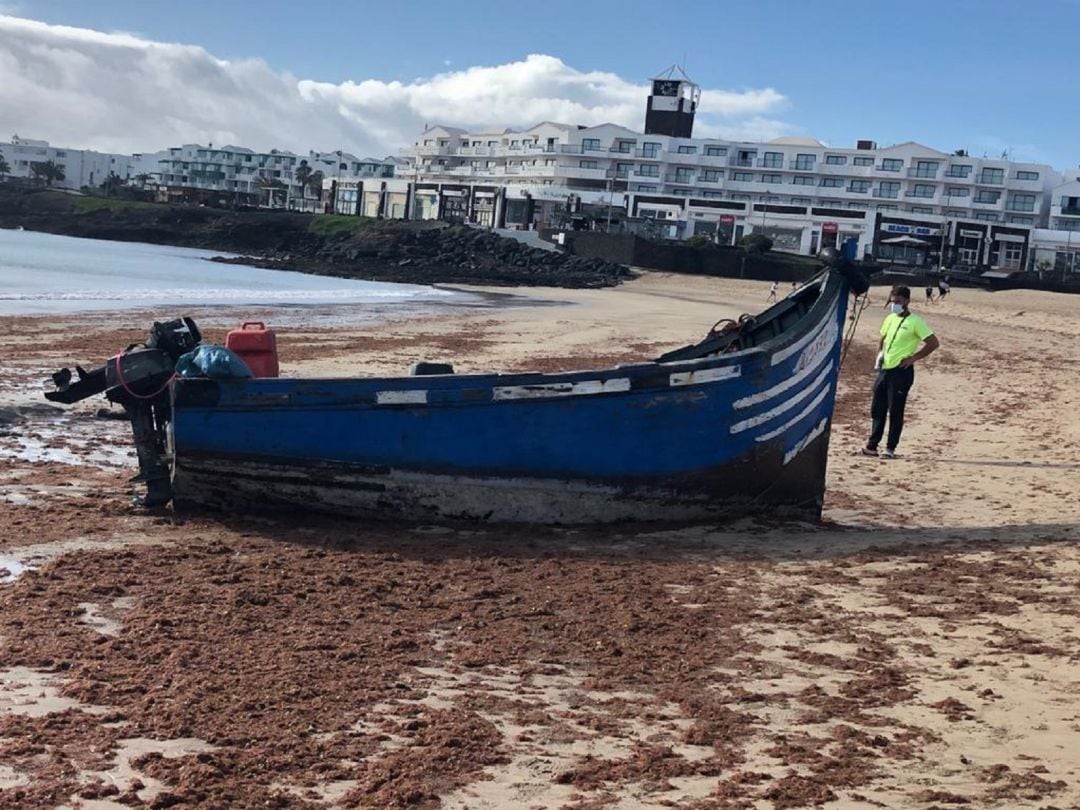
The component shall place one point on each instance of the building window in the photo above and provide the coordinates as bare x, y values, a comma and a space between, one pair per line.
1022, 202
888, 188
1027, 175
926, 168
687, 150
994, 176
745, 157
958, 171
1021, 220
891, 164
922, 190
887, 207
859, 186
987, 196
715, 151
711, 176
957, 192
743, 177
857, 206
649, 171
803, 180
773, 160
590, 144
863, 161
832, 182
804, 163
836, 160
650, 149
684, 176
587, 164
770, 178
646, 188
712, 195
921, 209
623, 169
982, 216
624, 146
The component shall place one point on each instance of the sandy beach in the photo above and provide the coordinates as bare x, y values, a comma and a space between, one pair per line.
917, 649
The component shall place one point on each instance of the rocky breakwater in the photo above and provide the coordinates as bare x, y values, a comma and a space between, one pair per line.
427, 252
438, 254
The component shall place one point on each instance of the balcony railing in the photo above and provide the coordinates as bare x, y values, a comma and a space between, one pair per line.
990, 180
650, 154
746, 163
1070, 210
886, 194
922, 172
1021, 208
770, 164
920, 195
801, 166
678, 178
854, 190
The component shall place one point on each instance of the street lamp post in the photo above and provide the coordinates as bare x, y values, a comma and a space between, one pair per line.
610, 200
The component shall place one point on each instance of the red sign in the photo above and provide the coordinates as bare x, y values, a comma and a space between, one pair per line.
829, 227
727, 219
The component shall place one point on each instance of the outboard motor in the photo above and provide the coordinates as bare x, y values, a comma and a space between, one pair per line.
138, 380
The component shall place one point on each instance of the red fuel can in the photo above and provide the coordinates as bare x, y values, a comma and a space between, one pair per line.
257, 345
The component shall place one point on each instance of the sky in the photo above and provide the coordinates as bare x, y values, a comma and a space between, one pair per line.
989, 76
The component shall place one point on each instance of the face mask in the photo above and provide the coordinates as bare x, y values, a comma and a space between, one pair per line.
897, 308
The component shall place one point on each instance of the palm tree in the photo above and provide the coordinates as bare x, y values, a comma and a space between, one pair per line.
315, 184
303, 175
48, 171
4, 167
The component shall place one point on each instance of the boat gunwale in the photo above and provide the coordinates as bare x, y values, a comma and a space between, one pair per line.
830, 287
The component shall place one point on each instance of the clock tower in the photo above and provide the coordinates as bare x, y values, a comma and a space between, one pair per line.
672, 104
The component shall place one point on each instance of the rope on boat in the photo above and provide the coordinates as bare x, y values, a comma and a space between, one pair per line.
861, 303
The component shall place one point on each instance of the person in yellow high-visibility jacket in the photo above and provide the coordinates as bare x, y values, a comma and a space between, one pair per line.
905, 340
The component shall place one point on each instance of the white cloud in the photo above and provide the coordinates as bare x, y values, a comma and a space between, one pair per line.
120, 92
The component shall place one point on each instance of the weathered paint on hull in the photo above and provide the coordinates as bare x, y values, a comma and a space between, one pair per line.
795, 490
710, 437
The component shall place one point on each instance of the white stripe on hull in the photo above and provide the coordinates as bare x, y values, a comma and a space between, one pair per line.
704, 375
546, 390
772, 434
786, 405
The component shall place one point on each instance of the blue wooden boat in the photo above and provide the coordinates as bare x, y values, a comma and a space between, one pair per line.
735, 424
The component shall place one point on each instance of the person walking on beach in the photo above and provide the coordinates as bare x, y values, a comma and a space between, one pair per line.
772, 291
929, 293
905, 340
943, 289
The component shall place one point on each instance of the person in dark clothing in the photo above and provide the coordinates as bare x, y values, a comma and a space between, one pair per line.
905, 339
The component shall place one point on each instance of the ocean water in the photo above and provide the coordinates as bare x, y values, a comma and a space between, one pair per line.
42, 273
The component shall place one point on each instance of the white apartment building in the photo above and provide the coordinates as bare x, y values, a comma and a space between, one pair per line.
82, 167
236, 174
801, 192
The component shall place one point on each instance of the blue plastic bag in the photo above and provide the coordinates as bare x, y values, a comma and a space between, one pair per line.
215, 362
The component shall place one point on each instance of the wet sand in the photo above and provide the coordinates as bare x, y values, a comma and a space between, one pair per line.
918, 649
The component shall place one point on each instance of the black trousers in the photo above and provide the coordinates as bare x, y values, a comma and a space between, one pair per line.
890, 397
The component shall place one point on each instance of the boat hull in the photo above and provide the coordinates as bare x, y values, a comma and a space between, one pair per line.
721, 436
